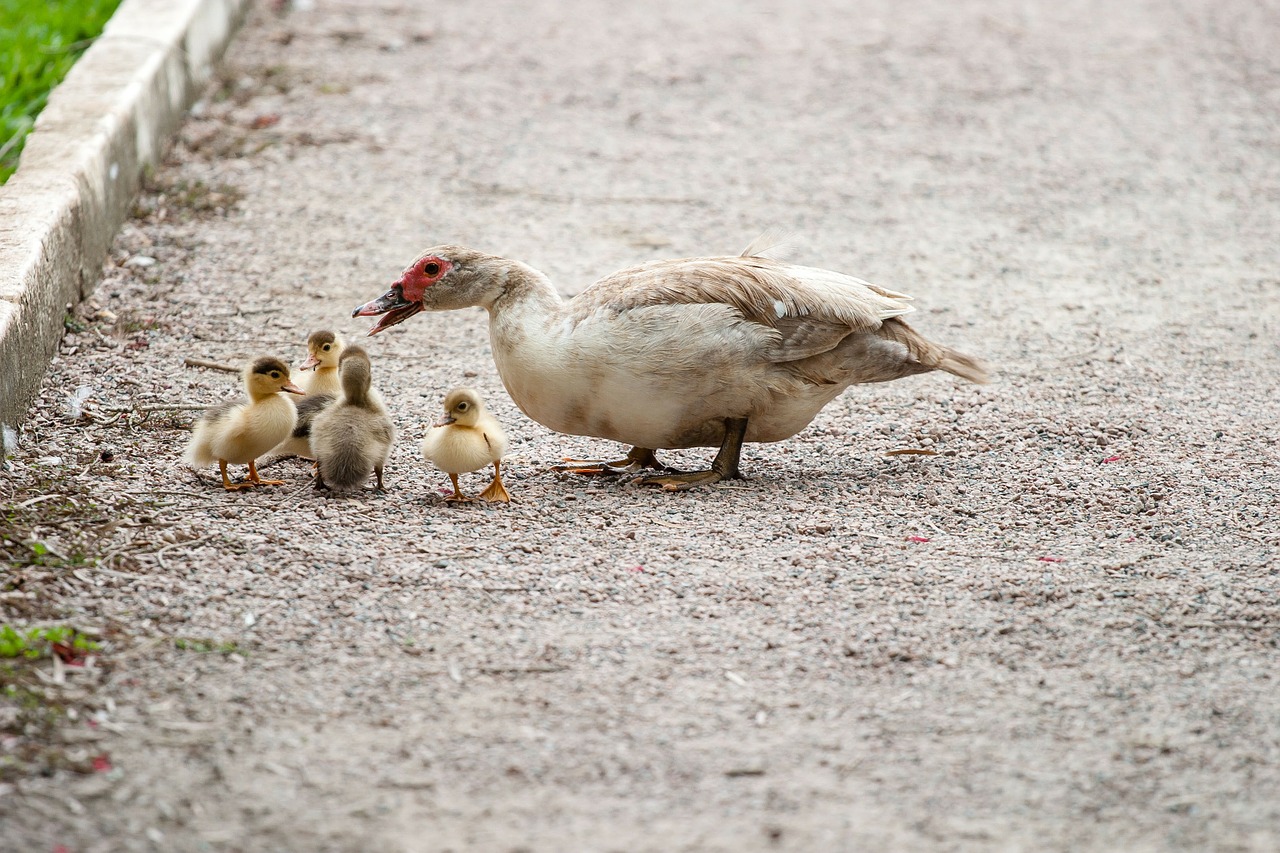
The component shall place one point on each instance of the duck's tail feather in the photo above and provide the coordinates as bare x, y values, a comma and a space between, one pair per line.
964, 366
932, 356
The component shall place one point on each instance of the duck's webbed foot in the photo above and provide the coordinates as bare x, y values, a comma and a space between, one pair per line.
637, 459
725, 466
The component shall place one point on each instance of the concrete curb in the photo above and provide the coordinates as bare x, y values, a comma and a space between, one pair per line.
107, 121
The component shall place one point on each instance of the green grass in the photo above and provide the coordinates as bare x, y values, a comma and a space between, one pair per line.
205, 646
39, 42
39, 642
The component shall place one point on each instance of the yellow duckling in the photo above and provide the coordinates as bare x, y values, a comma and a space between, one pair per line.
239, 431
324, 350
354, 434
467, 439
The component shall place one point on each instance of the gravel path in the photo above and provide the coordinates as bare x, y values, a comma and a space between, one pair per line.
1057, 633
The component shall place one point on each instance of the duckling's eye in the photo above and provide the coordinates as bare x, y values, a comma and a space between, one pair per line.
462, 407
327, 346
275, 374
431, 268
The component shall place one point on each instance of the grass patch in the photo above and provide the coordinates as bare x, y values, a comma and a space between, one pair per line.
42, 642
39, 42
33, 714
165, 198
206, 646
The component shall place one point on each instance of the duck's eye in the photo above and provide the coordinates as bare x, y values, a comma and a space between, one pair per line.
275, 374
327, 346
462, 407
431, 268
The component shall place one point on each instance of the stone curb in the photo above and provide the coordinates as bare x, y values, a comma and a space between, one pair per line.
109, 119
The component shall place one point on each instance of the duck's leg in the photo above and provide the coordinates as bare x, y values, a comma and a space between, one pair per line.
457, 496
226, 481
377, 470
636, 460
258, 481
724, 467
496, 491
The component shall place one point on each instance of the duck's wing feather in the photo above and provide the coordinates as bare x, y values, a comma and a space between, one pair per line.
764, 291
807, 310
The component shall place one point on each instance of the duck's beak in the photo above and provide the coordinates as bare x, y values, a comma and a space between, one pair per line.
311, 363
445, 421
292, 389
393, 307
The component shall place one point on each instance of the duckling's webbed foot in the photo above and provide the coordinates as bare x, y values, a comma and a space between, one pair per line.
258, 481
636, 460
226, 481
724, 467
457, 497
496, 490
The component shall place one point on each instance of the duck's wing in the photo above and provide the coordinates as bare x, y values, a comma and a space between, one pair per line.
807, 310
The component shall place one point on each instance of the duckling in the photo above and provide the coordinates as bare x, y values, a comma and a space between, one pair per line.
354, 434
239, 431
324, 350
467, 439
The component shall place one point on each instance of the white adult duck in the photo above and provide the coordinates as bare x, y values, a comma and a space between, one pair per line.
697, 352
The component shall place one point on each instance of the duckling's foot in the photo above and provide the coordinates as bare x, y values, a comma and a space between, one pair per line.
725, 466
636, 460
496, 491
226, 481
457, 497
258, 481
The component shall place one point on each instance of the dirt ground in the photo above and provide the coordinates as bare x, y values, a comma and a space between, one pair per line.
1058, 633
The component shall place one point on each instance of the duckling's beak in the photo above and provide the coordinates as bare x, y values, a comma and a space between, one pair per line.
445, 421
311, 363
393, 307
292, 389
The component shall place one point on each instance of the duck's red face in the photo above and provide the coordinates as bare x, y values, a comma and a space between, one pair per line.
405, 298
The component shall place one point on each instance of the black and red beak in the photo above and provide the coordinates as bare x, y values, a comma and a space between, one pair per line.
393, 308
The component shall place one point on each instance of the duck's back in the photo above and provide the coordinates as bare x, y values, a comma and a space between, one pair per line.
761, 289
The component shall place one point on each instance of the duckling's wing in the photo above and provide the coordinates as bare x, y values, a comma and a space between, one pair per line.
762, 290
308, 407
495, 440
219, 412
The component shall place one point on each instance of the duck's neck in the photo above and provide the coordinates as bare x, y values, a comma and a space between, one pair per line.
523, 292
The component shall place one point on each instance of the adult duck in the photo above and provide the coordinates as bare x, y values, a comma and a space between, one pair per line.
696, 352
